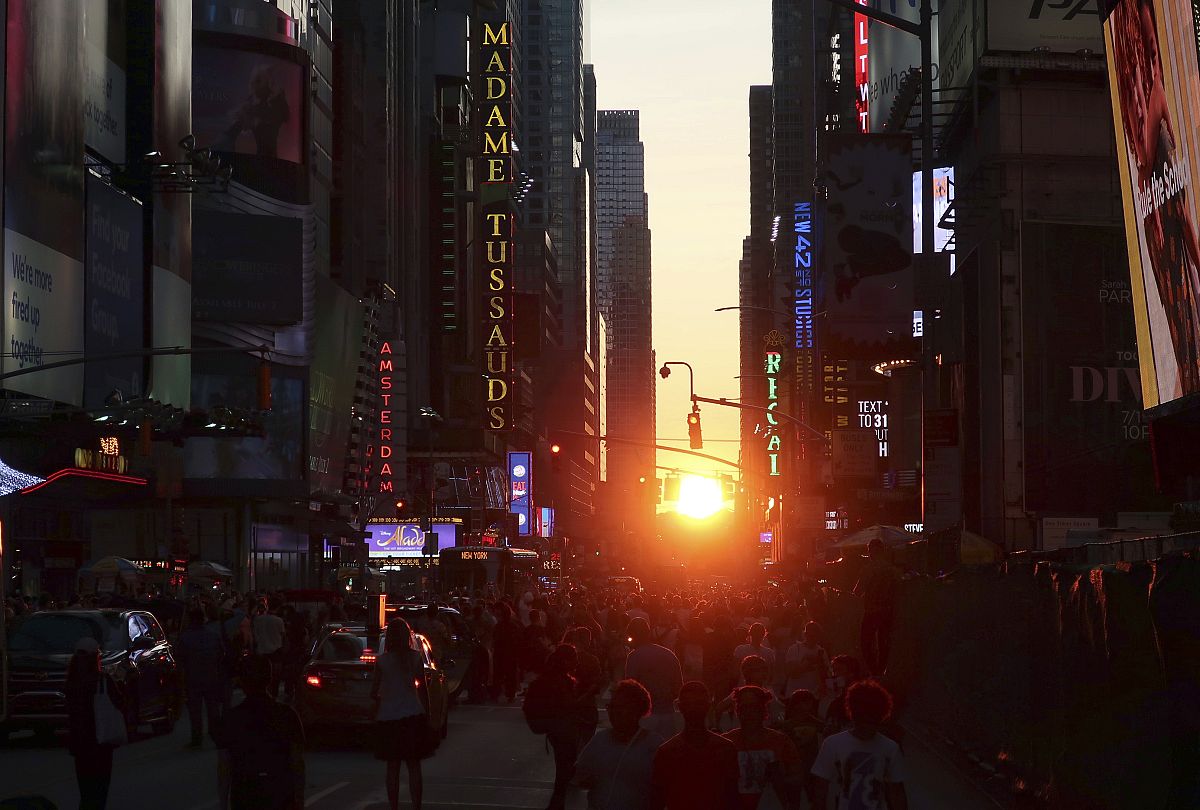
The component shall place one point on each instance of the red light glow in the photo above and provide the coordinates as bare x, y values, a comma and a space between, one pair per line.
314, 681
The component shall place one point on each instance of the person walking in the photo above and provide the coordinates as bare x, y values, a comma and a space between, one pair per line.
551, 707
696, 769
93, 760
656, 668
758, 632
260, 748
767, 759
616, 764
877, 586
269, 635
402, 734
507, 641
202, 658
863, 768
807, 663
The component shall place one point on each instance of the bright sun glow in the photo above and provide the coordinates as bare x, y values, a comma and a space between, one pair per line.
699, 497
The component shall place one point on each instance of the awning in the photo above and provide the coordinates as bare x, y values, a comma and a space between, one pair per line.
209, 570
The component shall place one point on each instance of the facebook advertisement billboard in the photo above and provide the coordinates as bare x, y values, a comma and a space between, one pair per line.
520, 481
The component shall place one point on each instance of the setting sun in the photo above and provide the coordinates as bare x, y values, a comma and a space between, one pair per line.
699, 497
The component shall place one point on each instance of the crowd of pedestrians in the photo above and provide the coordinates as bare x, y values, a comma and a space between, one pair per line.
721, 700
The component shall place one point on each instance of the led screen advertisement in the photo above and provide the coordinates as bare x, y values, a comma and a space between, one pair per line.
866, 283
246, 268
520, 479
113, 291
1155, 85
943, 196
43, 196
249, 103
407, 539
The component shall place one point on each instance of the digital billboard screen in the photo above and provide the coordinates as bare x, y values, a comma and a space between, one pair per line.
520, 478
249, 103
407, 539
1155, 85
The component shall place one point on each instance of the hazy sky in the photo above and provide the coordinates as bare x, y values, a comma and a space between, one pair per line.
688, 66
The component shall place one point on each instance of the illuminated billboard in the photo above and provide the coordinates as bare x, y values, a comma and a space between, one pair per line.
407, 539
943, 196
1155, 85
520, 481
497, 222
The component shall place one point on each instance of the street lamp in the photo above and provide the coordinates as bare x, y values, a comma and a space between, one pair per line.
433, 417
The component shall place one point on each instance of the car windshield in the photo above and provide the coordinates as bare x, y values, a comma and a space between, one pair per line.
342, 647
56, 634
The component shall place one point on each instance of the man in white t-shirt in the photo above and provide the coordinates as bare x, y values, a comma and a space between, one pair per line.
616, 765
861, 768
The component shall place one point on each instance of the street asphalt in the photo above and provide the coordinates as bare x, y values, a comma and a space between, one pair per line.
490, 761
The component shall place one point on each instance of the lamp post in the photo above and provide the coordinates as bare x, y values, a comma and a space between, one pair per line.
431, 418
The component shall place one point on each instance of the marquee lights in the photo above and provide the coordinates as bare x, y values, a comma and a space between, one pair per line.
772, 367
862, 72
496, 184
804, 312
386, 476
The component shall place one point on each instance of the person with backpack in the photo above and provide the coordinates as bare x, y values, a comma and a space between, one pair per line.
551, 707
260, 748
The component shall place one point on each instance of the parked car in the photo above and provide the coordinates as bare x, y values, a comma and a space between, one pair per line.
461, 646
134, 651
335, 689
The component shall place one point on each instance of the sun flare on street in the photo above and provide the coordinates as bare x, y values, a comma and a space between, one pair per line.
699, 497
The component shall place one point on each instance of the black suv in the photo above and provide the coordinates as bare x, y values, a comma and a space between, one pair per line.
134, 651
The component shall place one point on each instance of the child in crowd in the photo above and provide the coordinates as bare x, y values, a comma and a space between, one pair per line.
755, 672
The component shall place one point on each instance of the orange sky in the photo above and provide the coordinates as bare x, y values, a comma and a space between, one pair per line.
688, 66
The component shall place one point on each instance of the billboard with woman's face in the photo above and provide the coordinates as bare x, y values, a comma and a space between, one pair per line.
1155, 84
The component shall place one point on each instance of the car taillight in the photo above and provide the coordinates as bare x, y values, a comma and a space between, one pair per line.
313, 680
368, 656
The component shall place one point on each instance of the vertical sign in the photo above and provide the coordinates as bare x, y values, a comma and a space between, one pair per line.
862, 71
772, 367
520, 482
805, 324
385, 473
497, 226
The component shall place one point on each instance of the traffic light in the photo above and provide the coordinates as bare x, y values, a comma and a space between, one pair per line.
556, 457
695, 437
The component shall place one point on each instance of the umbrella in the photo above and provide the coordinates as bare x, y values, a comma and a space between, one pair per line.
889, 535
114, 565
209, 570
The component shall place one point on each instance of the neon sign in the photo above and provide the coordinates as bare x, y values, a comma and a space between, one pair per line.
385, 476
862, 73
497, 225
805, 325
772, 366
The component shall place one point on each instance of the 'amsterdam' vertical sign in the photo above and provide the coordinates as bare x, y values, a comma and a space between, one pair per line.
497, 227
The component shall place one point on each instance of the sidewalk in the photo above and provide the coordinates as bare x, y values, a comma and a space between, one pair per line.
934, 781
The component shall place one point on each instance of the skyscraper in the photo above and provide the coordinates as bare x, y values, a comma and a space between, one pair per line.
555, 145
624, 293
